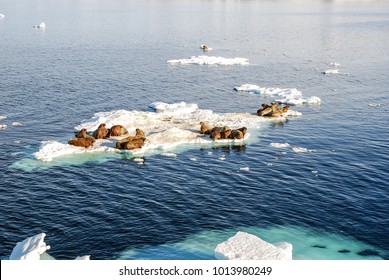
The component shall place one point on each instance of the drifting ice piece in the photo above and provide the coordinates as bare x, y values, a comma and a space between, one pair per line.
30, 248
245, 246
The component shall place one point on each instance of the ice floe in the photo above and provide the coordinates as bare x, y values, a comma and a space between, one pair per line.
301, 150
35, 248
290, 96
166, 127
2, 16
2, 118
245, 246
42, 25
280, 145
16, 124
210, 60
3, 126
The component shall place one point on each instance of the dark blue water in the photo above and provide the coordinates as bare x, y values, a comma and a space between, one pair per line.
98, 56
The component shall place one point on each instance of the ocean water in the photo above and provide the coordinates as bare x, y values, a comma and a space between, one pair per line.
318, 180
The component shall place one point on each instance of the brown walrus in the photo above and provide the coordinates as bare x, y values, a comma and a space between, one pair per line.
204, 47
224, 134
204, 128
82, 142
244, 130
117, 130
139, 134
236, 134
101, 132
215, 135
81, 133
265, 110
134, 144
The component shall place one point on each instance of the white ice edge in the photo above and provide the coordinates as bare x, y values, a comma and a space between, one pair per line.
290, 96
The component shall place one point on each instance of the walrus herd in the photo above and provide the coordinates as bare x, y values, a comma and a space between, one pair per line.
82, 139
222, 132
272, 110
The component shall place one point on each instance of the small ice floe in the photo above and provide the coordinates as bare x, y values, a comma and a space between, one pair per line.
16, 124
245, 246
210, 60
30, 248
3, 126
315, 171
34, 248
375, 105
139, 160
334, 71
279, 145
172, 155
210, 153
290, 96
301, 150
2, 16
245, 168
193, 159
2, 118
42, 25
335, 64
222, 157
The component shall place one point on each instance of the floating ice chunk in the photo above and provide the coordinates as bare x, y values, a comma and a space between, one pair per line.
169, 155
139, 160
370, 105
3, 126
245, 168
245, 246
176, 108
334, 71
83, 258
2, 118
41, 25
193, 159
30, 249
301, 150
2, 16
16, 124
291, 96
280, 145
335, 64
210, 60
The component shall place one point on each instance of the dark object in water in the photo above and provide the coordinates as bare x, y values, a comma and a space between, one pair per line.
343, 251
319, 246
368, 252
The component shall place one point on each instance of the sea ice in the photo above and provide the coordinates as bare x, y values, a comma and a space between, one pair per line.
291, 96
2, 118
34, 248
280, 145
210, 60
30, 249
42, 25
245, 246
16, 124
3, 126
2, 16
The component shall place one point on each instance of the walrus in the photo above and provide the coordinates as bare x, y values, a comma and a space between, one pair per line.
236, 134
81, 133
101, 132
215, 135
139, 134
225, 134
82, 142
244, 130
204, 47
134, 144
117, 130
219, 128
204, 128
285, 109
265, 110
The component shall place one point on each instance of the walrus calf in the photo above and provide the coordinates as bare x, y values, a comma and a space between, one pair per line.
117, 130
101, 132
81, 133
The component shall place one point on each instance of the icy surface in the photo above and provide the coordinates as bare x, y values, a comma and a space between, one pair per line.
210, 60
168, 126
245, 246
291, 96
30, 249
280, 145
